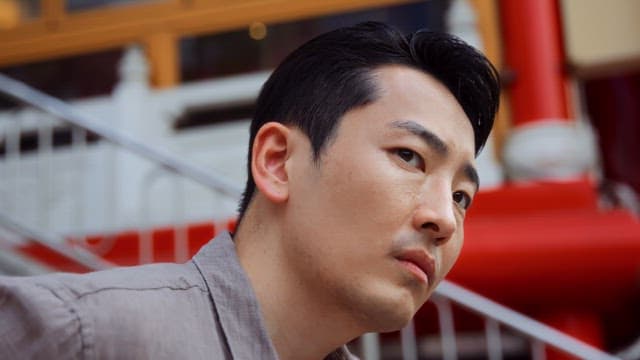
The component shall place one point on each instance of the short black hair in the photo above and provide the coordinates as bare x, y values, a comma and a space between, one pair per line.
332, 74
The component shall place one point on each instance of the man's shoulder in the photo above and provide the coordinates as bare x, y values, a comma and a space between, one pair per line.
127, 280
142, 304
34, 322
109, 286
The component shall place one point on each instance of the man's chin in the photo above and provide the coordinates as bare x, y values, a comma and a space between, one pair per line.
394, 317
385, 308
394, 323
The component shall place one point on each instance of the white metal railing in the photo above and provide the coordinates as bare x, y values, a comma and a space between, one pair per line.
53, 106
496, 314
98, 168
497, 319
116, 169
53, 243
101, 172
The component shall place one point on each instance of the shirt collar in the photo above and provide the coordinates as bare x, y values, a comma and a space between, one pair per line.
234, 300
236, 304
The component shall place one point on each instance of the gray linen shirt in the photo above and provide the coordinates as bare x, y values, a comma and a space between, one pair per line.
202, 309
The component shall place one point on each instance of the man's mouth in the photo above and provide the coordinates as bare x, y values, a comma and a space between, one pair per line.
419, 263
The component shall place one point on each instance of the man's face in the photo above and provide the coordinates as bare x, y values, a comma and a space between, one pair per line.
378, 222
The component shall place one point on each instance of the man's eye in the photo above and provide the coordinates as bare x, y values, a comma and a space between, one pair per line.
411, 158
462, 199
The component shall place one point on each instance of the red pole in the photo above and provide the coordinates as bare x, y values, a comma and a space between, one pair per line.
533, 51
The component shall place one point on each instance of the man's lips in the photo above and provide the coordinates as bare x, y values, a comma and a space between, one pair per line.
419, 263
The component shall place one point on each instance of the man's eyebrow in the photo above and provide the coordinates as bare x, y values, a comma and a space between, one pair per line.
472, 174
430, 138
437, 144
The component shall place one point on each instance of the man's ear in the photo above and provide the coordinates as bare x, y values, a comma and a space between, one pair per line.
269, 154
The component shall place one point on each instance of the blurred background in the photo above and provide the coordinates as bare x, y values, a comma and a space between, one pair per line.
128, 145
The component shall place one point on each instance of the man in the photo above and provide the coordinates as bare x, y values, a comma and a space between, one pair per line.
360, 174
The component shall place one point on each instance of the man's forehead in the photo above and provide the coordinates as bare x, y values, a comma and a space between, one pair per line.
403, 88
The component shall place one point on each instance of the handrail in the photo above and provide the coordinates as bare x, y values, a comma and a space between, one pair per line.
56, 244
51, 105
14, 263
537, 330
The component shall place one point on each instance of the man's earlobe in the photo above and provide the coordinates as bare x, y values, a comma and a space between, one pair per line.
269, 155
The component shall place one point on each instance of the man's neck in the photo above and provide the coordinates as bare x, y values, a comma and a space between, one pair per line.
300, 323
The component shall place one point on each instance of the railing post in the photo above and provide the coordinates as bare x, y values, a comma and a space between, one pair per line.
79, 146
370, 346
409, 342
494, 339
130, 98
180, 237
447, 329
537, 350
45, 203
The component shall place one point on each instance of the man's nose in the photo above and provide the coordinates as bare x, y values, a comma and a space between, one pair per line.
435, 215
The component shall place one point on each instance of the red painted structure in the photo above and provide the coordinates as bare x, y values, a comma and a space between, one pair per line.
547, 249
573, 261
534, 53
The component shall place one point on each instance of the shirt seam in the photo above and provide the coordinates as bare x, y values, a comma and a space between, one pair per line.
115, 288
85, 351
